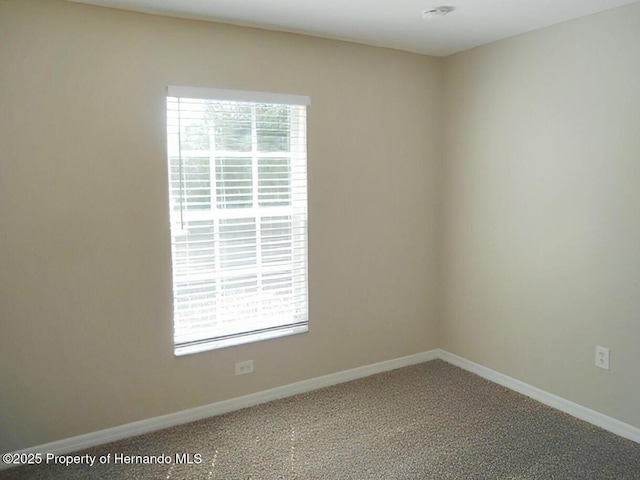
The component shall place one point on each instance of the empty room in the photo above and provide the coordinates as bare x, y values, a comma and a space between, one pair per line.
276, 239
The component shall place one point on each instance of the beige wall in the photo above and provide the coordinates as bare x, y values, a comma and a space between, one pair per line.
85, 286
527, 233
542, 209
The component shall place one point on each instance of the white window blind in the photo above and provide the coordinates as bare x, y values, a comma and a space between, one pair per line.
238, 207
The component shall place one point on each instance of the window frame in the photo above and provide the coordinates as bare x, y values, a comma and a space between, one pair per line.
296, 212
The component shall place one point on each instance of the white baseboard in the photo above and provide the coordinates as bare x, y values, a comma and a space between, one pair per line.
591, 416
101, 437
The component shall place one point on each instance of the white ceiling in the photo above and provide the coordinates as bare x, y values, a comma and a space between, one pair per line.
387, 23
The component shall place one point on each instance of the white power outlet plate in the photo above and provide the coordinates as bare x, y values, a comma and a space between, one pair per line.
602, 357
245, 367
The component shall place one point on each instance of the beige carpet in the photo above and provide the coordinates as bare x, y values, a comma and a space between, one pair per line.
430, 421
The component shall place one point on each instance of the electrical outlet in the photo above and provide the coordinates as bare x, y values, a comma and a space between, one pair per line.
245, 367
602, 357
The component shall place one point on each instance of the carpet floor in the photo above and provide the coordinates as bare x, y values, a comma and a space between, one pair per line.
429, 421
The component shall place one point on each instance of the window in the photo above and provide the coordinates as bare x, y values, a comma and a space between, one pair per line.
238, 207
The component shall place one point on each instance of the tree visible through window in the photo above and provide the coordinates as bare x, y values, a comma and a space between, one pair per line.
238, 207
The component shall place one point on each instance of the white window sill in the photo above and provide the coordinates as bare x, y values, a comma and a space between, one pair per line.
215, 344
